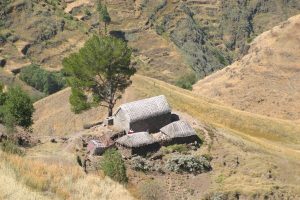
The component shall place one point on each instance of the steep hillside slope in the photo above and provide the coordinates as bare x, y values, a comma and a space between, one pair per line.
267, 79
173, 37
267, 149
53, 115
37, 32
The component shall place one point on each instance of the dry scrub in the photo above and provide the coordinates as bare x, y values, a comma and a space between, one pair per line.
59, 180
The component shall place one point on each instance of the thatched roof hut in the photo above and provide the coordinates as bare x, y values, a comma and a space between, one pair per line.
136, 140
179, 132
178, 129
144, 115
137, 143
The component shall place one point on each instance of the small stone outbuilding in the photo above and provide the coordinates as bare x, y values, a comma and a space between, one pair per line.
98, 147
139, 143
178, 132
147, 115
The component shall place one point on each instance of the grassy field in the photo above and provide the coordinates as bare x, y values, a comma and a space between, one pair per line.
40, 179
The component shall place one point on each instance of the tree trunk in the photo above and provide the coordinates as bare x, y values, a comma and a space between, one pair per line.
110, 110
105, 29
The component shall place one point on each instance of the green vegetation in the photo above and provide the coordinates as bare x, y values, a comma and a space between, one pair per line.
103, 15
113, 166
16, 108
42, 80
190, 164
180, 148
140, 164
187, 81
9, 146
102, 69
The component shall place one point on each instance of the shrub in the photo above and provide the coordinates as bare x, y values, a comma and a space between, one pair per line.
190, 164
140, 164
113, 166
42, 80
17, 109
187, 81
151, 190
9, 146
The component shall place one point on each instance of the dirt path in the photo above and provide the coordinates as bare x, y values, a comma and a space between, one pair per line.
76, 4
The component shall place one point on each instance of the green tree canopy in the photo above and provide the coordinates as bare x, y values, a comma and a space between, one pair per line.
99, 73
42, 80
16, 109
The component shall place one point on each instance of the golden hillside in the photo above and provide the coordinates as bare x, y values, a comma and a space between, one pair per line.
266, 80
262, 144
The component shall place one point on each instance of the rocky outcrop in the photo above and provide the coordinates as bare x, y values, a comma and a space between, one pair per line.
191, 39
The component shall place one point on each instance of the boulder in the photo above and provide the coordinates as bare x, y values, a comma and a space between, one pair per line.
2, 62
3, 136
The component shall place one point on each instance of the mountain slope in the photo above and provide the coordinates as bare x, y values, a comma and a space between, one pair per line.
173, 37
266, 80
261, 144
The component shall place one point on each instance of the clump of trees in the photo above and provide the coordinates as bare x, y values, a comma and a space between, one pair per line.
113, 166
42, 80
16, 108
187, 81
99, 73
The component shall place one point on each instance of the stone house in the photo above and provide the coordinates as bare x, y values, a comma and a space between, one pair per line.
147, 115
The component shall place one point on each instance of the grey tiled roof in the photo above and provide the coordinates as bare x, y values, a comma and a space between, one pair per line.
146, 108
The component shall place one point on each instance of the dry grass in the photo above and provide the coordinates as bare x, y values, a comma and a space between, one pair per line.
53, 115
266, 80
269, 132
12, 189
58, 180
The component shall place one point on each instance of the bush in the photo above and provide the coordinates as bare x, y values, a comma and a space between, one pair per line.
188, 164
42, 80
113, 166
17, 109
9, 146
187, 81
140, 164
152, 190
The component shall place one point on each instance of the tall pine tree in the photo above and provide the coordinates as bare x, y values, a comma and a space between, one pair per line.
99, 73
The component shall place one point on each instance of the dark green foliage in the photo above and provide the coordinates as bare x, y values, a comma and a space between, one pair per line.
113, 166
42, 80
101, 69
187, 81
2, 95
78, 101
17, 109
103, 15
9, 146
78, 159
